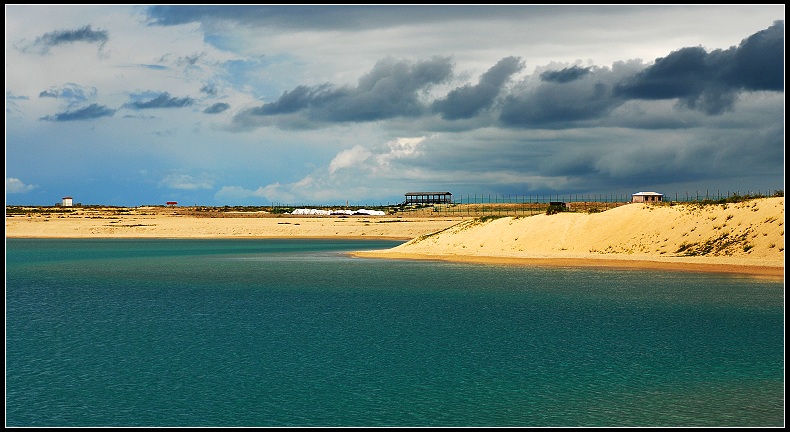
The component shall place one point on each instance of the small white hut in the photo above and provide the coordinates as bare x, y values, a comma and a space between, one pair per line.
67, 202
646, 197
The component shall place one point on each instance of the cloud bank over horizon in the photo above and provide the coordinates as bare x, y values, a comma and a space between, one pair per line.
251, 105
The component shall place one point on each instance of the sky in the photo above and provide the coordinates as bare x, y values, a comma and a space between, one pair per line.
244, 105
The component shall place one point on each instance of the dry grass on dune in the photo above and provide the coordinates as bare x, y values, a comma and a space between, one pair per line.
749, 232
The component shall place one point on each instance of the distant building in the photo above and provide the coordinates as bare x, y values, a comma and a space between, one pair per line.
172, 203
67, 202
428, 198
643, 197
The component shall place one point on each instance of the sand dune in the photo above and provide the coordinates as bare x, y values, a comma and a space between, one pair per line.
746, 237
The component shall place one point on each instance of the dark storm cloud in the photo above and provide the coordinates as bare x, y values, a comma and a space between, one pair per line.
391, 89
337, 17
467, 101
572, 96
698, 80
554, 104
217, 108
711, 81
679, 74
295, 100
759, 60
43, 43
565, 75
90, 112
164, 100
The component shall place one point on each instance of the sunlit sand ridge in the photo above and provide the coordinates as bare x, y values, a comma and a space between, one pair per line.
745, 237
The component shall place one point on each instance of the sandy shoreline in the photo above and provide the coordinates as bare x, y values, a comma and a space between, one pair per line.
161, 224
740, 239
679, 264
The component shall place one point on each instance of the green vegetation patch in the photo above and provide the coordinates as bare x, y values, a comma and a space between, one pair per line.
738, 198
555, 208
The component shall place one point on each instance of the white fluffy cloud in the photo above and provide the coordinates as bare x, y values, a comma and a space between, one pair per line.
15, 186
349, 158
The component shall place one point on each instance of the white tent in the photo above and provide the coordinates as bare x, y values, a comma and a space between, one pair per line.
366, 212
306, 211
369, 212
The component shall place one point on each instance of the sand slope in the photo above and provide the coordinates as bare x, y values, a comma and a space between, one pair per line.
749, 233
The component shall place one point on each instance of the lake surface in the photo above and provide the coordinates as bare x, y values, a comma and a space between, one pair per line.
144, 332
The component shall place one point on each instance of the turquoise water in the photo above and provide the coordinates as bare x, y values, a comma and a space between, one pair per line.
297, 333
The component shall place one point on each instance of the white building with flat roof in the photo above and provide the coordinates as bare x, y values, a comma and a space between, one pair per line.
67, 202
647, 197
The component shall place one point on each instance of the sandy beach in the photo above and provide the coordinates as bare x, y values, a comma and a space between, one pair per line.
740, 238
182, 223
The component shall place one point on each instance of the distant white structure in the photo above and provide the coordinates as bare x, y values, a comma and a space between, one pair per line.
67, 202
306, 211
642, 197
366, 212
